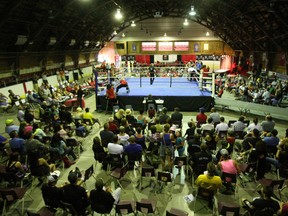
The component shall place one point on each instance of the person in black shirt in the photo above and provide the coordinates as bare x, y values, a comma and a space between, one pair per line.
263, 203
201, 159
102, 198
106, 135
75, 194
152, 73
50, 192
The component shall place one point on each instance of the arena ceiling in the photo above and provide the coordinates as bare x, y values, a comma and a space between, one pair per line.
56, 25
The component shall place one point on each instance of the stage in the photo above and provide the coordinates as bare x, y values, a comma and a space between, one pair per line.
183, 93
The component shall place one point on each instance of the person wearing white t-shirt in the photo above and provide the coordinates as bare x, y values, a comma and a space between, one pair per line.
222, 126
115, 147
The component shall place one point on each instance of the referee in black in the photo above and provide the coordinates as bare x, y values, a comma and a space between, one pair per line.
152, 73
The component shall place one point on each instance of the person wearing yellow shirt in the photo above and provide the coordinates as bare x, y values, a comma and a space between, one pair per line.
209, 181
90, 116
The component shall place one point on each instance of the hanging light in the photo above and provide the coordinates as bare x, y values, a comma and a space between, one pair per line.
192, 12
165, 35
115, 32
133, 24
123, 35
118, 14
207, 33
186, 22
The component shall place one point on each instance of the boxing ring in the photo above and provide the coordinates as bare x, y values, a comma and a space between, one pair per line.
186, 91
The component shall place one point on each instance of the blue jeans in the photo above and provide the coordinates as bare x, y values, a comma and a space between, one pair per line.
273, 161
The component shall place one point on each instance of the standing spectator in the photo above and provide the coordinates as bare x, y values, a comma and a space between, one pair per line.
80, 94
190, 131
180, 143
13, 97
110, 96
176, 116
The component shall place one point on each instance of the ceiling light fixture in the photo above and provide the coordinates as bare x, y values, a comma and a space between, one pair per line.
115, 32
123, 35
118, 14
165, 35
207, 33
192, 12
133, 24
186, 22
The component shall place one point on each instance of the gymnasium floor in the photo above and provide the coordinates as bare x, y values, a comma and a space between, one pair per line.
130, 192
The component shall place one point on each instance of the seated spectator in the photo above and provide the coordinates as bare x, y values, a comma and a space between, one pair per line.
17, 144
141, 119
15, 166
239, 125
222, 126
129, 117
265, 203
207, 126
89, 116
114, 147
226, 164
268, 124
37, 131
4, 102
163, 117
52, 194
123, 136
113, 126
200, 159
209, 181
128, 128
190, 131
281, 158
75, 194
78, 114
153, 138
119, 115
102, 198
13, 97
159, 127
20, 113
253, 125
106, 135
250, 140
10, 126
140, 138
99, 152
272, 140
211, 140
201, 117
133, 148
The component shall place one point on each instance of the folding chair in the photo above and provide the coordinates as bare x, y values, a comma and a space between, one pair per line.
114, 160
44, 211
176, 212
146, 206
227, 209
247, 173
119, 173
180, 163
147, 172
125, 207
88, 122
230, 182
275, 184
73, 143
12, 195
163, 178
205, 195
68, 208
87, 174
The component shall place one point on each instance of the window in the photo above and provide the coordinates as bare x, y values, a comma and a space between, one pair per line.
148, 46
181, 46
165, 46
206, 46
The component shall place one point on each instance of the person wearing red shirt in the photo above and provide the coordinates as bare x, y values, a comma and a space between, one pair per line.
201, 117
110, 96
123, 84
